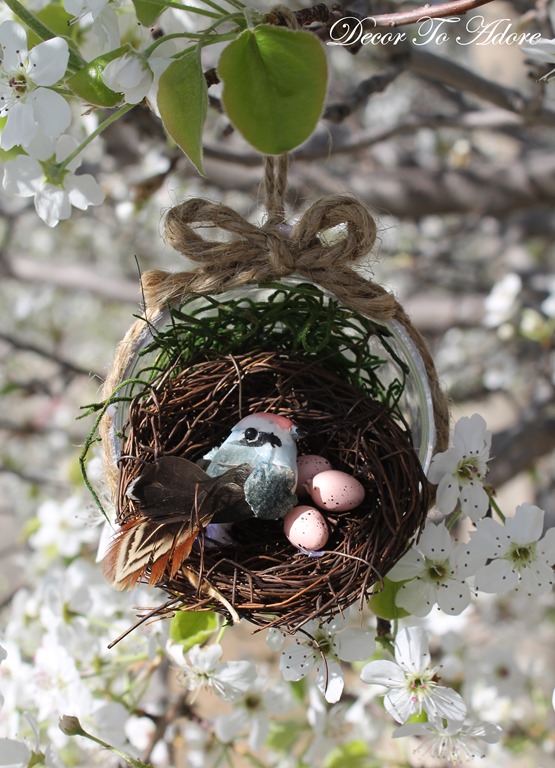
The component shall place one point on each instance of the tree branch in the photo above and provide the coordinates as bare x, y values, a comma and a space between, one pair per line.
66, 365
517, 448
427, 11
450, 73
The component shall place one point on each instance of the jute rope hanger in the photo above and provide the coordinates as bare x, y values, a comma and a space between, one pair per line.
272, 251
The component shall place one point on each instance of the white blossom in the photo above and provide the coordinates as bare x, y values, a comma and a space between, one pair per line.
458, 472
36, 175
57, 685
14, 753
411, 682
130, 75
137, 76
452, 740
501, 301
252, 713
322, 647
105, 21
202, 668
61, 528
20, 753
25, 99
519, 557
436, 572
542, 50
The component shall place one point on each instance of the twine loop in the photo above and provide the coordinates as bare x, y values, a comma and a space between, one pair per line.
255, 254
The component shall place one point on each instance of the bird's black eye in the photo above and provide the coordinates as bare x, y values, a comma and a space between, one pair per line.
251, 433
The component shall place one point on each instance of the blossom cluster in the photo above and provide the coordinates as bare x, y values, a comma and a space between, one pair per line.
495, 557
55, 663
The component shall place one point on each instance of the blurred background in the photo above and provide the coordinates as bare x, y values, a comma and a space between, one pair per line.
452, 146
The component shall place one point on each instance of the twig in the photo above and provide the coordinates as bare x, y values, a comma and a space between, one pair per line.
427, 11
336, 113
323, 15
67, 365
454, 75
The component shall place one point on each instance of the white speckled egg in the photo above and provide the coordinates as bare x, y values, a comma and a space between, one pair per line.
306, 527
336, 491
308, 466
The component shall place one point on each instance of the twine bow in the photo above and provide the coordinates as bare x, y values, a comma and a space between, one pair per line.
256, 254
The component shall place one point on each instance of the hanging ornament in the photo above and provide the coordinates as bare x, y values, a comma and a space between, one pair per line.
271, 418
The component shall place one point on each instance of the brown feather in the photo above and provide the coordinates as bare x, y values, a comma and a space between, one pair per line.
176, 500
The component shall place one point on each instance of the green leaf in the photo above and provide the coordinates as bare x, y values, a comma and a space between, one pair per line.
283, 734
355, 754
190, 628
56, 18
183, 102
274, 86
148, 10
88, 82
383, 604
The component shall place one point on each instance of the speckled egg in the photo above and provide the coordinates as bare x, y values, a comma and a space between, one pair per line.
306, 527
308, 466
336, 491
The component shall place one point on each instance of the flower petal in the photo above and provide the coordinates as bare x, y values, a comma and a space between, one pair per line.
542, 50
417, 597
205, 659
13, 41
49, 61
409, 566
228, 726
453, 597
354, 645
296, 661
52, 204
83, 190
447, 494
232, 679
546, 547
496, 577
383, 672
435, 542
411, 649
527, 524
20, 126
400, 704
444, 702
51, 111
536, 579
474, 500
472, 437
22, 176
444, 463
330, 680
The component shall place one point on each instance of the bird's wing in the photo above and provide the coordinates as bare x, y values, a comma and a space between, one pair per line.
268, 490
170, 488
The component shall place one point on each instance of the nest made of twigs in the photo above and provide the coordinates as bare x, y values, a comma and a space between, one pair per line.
191, 407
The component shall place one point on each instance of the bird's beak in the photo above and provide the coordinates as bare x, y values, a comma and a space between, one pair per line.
297, 433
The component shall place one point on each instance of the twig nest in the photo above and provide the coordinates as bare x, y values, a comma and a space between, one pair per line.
343, 379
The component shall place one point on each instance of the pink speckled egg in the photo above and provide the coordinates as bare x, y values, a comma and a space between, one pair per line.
308, 466
306, 527
336, 491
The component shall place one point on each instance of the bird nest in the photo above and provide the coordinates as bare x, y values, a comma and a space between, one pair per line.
300, 354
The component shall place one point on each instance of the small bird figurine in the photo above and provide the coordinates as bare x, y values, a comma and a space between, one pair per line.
252, 474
